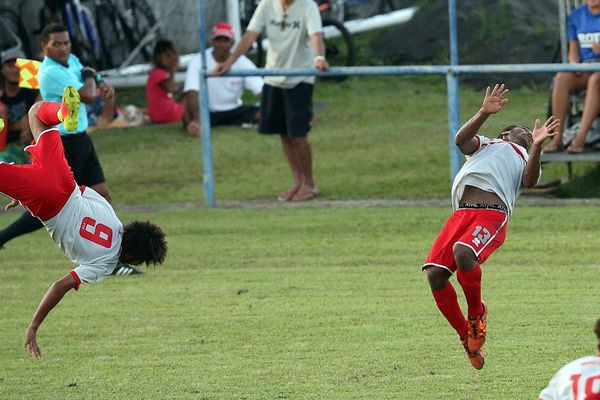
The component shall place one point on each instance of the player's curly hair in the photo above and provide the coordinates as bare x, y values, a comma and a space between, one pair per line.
597, 332
143, 242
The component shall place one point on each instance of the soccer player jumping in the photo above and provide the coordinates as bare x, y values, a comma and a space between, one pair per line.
81, 222
483, 195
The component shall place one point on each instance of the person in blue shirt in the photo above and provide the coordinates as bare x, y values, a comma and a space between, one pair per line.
59, 69
584, 46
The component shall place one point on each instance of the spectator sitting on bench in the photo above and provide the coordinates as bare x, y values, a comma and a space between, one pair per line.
224, 94
584, 46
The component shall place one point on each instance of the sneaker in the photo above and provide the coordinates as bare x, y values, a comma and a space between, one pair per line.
478, 330
475, 357
68, 113
125, 269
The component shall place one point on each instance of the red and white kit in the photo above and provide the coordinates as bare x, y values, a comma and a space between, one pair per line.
496, 166
78, 219
578, 380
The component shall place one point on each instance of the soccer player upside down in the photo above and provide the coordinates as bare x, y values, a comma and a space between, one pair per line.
81, 222
483, 195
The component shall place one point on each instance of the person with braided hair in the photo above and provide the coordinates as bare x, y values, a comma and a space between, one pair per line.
578, 380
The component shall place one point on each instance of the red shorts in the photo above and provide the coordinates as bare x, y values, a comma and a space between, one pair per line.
44, 186
482, 230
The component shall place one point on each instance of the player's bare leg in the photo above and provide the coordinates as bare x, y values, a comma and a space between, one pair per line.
295, 167
307, 190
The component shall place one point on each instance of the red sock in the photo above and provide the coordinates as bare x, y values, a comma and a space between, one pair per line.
470, 281
447, 302
48, 113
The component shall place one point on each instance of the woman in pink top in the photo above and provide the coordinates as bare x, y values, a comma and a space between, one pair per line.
162, 108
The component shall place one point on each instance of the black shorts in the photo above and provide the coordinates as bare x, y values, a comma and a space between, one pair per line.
237, 116
82, 158
286, 111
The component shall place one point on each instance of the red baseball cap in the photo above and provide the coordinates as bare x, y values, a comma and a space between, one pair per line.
223, 29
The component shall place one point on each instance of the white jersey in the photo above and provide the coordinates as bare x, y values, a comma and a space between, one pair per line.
496, 166
88, 231
578, 380
224, 93
289, 35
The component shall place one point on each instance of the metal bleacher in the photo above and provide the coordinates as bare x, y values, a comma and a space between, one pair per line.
565, 7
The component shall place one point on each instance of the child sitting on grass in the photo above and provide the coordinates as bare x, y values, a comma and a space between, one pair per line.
162, 108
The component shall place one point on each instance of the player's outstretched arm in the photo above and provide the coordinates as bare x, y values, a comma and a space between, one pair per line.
52, 297
494, 100
531, 174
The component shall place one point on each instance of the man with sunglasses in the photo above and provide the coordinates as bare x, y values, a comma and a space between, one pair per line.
294, 30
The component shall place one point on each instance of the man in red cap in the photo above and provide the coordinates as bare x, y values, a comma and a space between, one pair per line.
224, 94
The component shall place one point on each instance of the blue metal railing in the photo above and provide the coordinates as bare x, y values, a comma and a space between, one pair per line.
451, 71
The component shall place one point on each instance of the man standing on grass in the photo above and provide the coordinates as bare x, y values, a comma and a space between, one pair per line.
483, 196
293, 28
81, 222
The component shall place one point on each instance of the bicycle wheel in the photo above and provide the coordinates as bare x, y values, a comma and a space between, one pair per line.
339, 51
13, 31
140, 26
115, 48
81, 39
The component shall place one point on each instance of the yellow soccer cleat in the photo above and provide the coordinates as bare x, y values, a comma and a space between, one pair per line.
68, 113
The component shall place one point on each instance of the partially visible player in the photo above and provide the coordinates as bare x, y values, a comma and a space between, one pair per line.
578, 380
483, 196
81, 222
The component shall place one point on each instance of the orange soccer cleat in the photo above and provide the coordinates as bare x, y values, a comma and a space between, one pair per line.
475, 357
478, 330
68, 113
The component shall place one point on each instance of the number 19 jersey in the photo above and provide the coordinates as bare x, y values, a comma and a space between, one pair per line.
88, 231
578, 380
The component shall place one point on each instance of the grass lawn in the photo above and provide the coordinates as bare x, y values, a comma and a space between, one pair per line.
306, 303
302, 304
374, 138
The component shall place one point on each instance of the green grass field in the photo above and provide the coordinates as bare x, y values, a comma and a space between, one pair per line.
302, 304
306, 302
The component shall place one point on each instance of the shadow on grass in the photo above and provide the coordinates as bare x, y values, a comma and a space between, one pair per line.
582, 185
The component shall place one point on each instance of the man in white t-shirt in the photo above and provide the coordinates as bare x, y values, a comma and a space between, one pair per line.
224, 94
483, 196
293, 28
81, 222
578, 380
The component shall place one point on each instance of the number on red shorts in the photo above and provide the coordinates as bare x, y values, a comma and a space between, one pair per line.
99, 234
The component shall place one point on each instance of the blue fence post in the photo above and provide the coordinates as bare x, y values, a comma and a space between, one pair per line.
453, 92
207, 164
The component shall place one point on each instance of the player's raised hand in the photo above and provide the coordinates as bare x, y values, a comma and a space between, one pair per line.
495, 99
31, 343
542, 132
